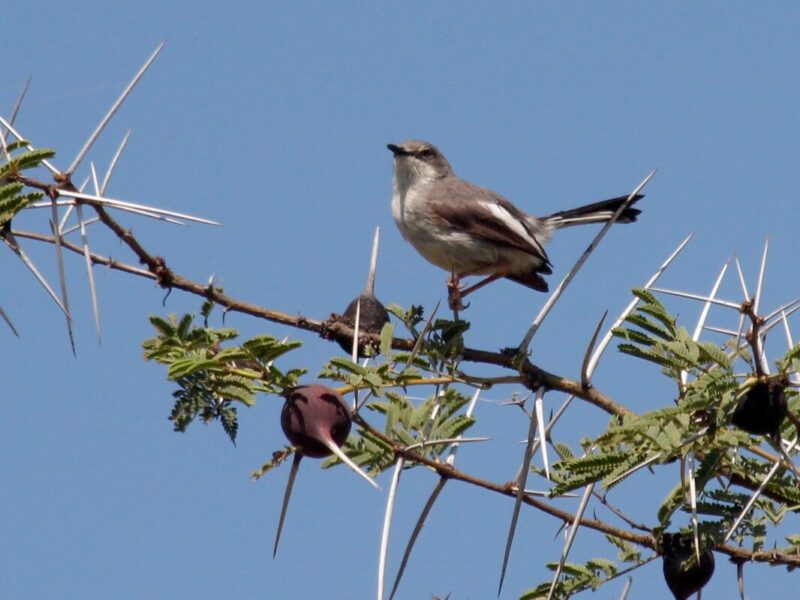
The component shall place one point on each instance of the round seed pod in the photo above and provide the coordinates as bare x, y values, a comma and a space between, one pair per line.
763, 409
372, 317
313, 417
683, 573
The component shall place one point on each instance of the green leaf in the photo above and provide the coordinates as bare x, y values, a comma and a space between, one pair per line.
645, 355
10, 190
634, 336
348, 365
229, 422
12, 203
26, 160
189, 366
387, 335
640, 320
608, 567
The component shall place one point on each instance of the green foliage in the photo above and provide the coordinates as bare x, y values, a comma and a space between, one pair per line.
628, 552
444, 339
435, 418
445, 342
657, 338
708, 391
577, 578
12, 198
418, 426
374, 378
27, 159
411, 317
213, 378
790, 362
793, 547
12, 201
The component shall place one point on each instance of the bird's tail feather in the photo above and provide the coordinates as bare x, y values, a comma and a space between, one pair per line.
532, 280
597, 212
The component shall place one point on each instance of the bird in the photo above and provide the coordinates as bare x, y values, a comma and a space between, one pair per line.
469, 230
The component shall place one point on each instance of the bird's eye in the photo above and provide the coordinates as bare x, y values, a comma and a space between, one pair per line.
426, 154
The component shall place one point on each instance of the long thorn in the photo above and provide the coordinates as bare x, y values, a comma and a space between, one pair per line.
356, 327
789, 308
89, 272
742, 281
760, 284
451, 455
70, 207
573, 531
770, 474
135, 211
451, 459
62, 277
387, 523
11, 242
331, 445
19, 136
123, 204
586, 377
626, 590
74, 228
415, 534
99, 129
5, 318
701, 321
369, 287
633, 469
691, 472
18, 105
598, 353
538, 407
545, 310
286, 496
789, 340
690, 296
421, 337
521, 480
13, 118
112, 165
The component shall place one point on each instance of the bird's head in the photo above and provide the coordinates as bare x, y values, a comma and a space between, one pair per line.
416, 161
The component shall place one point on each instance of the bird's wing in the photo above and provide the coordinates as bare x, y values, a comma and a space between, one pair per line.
485, 215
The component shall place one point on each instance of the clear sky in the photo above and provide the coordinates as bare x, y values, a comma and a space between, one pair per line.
274, 118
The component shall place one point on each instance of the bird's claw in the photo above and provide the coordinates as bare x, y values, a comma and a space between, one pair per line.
454, 288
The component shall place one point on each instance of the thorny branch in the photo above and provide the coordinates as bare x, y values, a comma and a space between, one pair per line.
529, 374
450, 472
167, 278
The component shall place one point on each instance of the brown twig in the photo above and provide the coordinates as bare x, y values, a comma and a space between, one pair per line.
450, 472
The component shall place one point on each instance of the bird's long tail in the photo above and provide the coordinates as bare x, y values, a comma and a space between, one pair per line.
598, 212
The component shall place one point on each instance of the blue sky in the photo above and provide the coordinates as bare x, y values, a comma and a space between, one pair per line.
274, 119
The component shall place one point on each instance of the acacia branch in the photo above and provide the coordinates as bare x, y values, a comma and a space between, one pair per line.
448, 471
532, 376
330, 329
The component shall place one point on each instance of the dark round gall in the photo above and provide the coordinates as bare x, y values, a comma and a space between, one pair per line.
763, 409
683, 573
313, 413
372, 317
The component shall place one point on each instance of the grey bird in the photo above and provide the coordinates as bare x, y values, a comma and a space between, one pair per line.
469, 230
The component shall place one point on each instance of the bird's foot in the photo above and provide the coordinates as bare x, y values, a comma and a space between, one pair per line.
454, 295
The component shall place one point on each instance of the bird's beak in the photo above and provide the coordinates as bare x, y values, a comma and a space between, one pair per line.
396, 150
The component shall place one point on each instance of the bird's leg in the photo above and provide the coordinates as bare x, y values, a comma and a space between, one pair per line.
455, 293
483, 282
